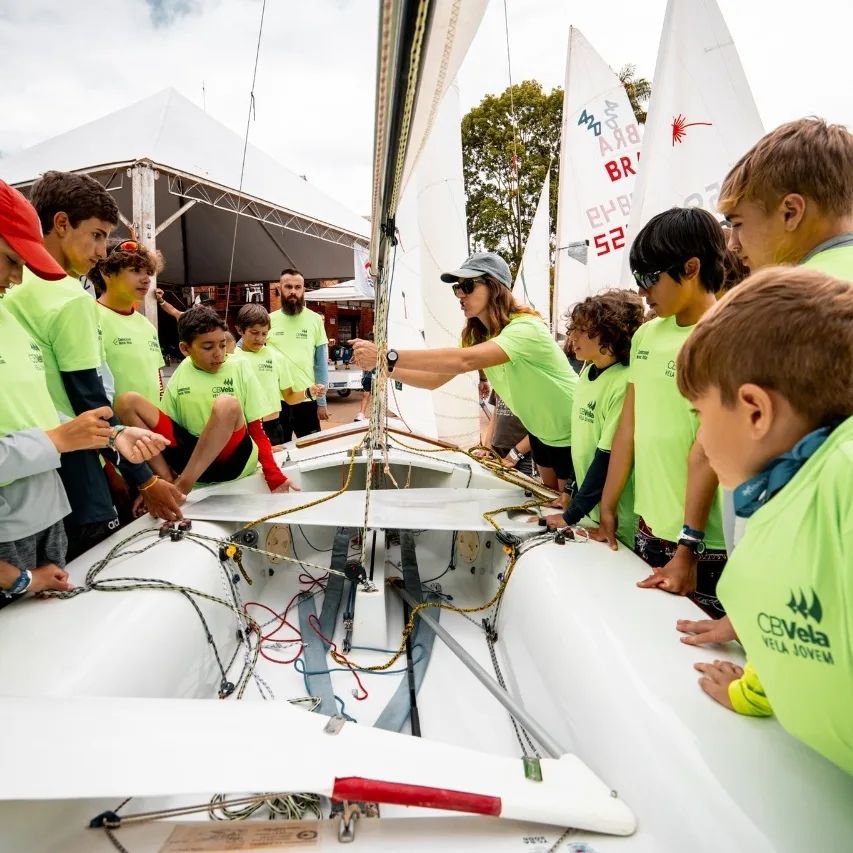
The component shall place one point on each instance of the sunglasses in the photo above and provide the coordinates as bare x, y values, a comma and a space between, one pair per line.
126, 246
647, 280
467, 286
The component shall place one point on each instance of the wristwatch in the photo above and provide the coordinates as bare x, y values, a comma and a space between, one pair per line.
692, 539
515, 455
21, 585
392, 357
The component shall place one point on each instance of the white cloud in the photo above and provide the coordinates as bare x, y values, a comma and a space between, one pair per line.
63, 64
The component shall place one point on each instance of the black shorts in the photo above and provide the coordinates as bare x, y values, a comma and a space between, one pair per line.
658, 552
274, 431
557, 458
367, 381
301, 419
228, 465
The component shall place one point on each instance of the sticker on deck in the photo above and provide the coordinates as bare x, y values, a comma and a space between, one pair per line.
206, 838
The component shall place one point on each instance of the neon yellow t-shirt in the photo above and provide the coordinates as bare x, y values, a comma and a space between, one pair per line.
272, 373
595, 415
837, 262
132, 352
788, 589
537, 383
62, 319
297, 337
189, 396
665, 428
25, 402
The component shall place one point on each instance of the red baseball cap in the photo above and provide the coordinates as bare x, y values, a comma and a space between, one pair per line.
21, 229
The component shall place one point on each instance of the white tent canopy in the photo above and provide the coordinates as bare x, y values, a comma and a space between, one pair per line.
344, 291
164, 155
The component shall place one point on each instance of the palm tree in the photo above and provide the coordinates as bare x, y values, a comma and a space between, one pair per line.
638, 89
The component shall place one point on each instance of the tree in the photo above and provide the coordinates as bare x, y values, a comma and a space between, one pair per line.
501, 199
638, 90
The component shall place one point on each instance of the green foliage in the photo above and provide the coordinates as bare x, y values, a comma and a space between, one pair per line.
500, 210
638, 90
488, 143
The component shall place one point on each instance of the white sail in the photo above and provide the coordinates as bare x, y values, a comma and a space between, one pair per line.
443, 246
452, 25
405, 316
599, 155
533, 281
702, 116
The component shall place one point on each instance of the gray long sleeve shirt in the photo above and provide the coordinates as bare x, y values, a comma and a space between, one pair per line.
33, 497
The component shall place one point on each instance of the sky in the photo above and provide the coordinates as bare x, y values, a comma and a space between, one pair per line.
63, 64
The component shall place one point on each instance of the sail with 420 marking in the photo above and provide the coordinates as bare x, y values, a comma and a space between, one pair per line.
599, 159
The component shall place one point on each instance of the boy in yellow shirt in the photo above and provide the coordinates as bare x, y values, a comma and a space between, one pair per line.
211, 412
271, 370
770, 372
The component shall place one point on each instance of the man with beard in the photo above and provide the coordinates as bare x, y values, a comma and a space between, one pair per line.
300, 336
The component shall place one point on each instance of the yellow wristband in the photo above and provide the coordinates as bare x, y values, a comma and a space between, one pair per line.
149, 484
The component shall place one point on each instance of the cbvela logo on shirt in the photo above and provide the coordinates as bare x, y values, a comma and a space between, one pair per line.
153, 346
227, 387
587, 412
800, 631
265, 366
302, 335
36, 356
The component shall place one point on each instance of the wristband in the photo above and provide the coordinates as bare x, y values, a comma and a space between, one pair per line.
514, 455
691, 533
21, 585
149, 484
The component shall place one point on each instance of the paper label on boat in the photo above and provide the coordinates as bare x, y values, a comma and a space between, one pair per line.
200, 837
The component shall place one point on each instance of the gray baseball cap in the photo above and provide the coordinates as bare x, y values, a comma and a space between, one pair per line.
481, 263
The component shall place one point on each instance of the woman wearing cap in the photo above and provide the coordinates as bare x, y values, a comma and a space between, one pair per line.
512, 346
32, 499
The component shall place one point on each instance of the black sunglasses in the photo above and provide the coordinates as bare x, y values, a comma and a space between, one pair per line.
647, 280
467, 286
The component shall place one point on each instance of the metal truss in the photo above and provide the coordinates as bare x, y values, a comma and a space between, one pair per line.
188, 187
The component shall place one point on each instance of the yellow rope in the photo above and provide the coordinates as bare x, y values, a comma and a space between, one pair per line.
317, 501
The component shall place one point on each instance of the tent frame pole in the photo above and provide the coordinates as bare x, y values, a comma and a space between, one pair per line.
142, 183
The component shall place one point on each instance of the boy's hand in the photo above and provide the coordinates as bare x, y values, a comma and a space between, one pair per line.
364, 353
163, 500
606, 530
50, 576
678, 576
89, 431
285, 487
140, 445
483, 389
322, 412
716, 678
704, 631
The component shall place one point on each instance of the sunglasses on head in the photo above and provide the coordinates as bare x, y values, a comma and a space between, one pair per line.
466, 286
126, 246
